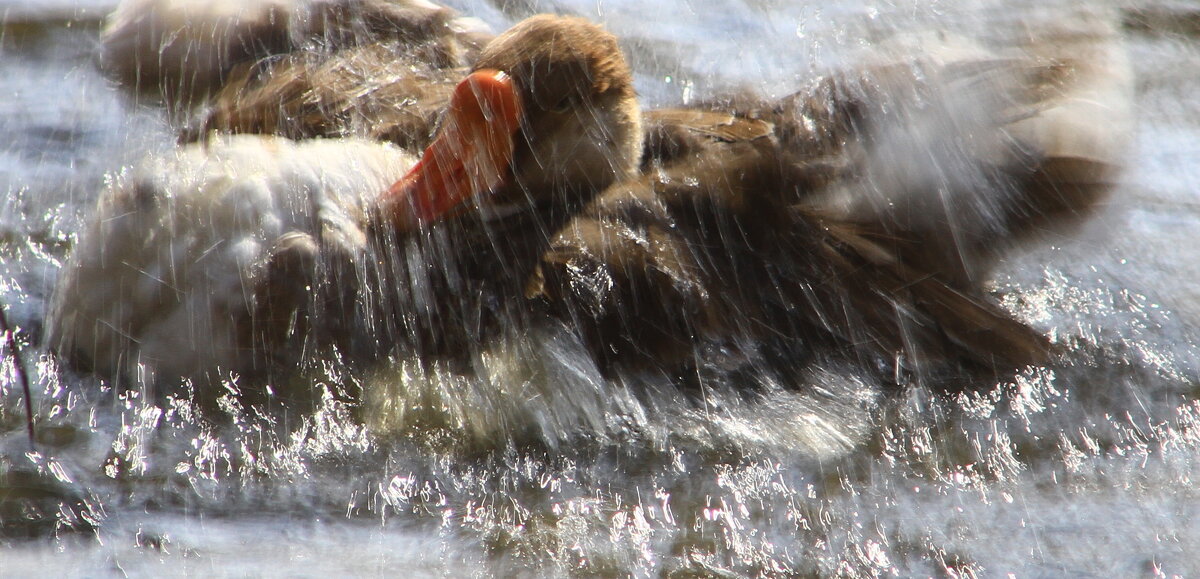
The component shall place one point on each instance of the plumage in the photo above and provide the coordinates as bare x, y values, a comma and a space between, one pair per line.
859, 216
245, 253
184, 50
785, 229
162, 281
369, 91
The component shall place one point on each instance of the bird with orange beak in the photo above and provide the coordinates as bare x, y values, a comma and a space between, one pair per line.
248, 253
547, 119
548, 115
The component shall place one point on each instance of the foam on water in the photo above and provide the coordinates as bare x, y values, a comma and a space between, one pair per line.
536, 465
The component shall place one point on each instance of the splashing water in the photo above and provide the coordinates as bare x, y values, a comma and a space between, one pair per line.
536, 464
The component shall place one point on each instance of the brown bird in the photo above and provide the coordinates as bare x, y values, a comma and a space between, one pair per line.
247, 253
466, 235
809, 225
736, 237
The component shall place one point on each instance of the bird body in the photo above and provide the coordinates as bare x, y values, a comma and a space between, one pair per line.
858, 216
163, 281
241, 253
788, 229
185, 50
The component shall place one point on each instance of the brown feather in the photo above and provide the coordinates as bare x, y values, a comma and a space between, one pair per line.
717, 248
368, 91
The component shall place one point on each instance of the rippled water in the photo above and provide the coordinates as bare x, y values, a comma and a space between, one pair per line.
538, 467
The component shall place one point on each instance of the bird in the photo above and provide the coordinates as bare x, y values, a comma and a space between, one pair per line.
184, 51
542, 196
160, 285
240, 255
374, 91
858, 217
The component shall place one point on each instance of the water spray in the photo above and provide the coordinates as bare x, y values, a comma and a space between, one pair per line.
19, 367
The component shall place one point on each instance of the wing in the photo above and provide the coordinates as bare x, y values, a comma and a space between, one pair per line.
164, 279
717, 251
367, 92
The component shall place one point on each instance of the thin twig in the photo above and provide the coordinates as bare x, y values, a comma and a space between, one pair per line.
19, 367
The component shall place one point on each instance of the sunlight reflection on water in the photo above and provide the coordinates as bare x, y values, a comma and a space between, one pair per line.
1082, 468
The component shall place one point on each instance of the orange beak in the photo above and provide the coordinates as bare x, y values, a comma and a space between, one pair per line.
470, 156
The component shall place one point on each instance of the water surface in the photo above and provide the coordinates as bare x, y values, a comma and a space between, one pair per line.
1084, 468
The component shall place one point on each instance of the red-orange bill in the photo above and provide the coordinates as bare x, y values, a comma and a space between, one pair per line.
470, 155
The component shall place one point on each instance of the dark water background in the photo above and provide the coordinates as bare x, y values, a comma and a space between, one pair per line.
1082, 469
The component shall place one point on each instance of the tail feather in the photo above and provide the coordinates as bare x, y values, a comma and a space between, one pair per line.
919, 314
947, 139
